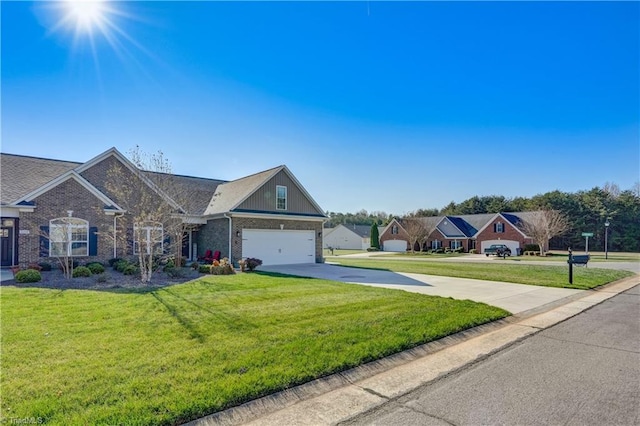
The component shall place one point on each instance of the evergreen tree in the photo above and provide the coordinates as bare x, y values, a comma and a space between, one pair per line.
375, 237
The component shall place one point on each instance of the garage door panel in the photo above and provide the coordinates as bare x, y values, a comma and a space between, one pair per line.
394, 245
279, 247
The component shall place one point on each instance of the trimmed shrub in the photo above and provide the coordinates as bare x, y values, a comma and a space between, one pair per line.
130, 269
121, 265
194, 266
112, 262
473, 251
28, 276
81, 271
222, 267
96, 268
175, 272
531, 247
44, 266
373, 249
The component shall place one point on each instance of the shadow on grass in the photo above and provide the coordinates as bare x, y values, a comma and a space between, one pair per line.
230, 321
184, 322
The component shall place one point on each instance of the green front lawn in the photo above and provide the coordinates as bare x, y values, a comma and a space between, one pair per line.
549, 276
175, 354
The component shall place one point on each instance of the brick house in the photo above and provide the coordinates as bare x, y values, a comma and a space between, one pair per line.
476, 231
268, 215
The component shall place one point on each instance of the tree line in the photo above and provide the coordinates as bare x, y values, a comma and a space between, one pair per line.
586, 211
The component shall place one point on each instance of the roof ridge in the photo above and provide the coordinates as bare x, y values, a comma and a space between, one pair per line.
255, 174
41, 158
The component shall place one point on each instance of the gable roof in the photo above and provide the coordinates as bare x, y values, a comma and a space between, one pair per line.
70, 175
363, 231
230, 195
23, 174
24, 177
194, 193
142, 174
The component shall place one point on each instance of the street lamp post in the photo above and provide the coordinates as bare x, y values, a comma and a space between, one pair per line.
606, 239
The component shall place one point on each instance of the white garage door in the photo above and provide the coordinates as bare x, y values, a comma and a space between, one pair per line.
394, 245
513, 245
279, 247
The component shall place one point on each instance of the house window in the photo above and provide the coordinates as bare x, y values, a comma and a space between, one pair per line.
455, 244
435, 244
281, 197
394, 229
148, 237
68, 236
498, 227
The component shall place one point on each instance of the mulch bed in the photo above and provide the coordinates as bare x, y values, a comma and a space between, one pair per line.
109, 280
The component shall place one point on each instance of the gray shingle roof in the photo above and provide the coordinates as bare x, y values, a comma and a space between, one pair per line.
193, 194
228, 195
20, 175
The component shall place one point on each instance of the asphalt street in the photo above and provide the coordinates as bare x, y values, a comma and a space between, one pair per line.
584, 371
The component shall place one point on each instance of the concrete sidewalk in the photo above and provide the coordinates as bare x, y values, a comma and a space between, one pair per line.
515, 298
342, 396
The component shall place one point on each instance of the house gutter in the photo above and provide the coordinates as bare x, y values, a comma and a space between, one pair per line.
230, 236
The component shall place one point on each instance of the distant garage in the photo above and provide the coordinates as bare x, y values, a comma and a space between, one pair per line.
279, 247
513, 245
395, 245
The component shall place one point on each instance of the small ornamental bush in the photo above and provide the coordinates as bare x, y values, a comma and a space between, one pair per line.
130, 270
96, 268
35, 266
531, 247
373, 249
252, 263
176, 272
194, 265
81, 271
121, 265
112, 262
218, 267
473, 251
28, 276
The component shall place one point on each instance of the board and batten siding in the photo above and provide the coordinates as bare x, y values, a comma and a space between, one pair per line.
264, 199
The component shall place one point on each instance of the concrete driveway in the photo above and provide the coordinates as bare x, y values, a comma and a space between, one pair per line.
515, 298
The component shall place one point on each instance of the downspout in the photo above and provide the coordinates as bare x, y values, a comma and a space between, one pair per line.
322, 243
115, 234
230, 236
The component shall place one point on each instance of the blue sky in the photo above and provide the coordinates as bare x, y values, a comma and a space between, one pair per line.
376, 106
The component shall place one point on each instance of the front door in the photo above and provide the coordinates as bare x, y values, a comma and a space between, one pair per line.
7, 242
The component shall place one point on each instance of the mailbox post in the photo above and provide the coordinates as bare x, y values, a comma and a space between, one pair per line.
570, 262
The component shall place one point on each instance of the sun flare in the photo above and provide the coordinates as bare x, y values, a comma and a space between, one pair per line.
86, 13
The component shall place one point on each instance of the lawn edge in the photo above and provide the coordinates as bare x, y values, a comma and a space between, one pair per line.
509, 331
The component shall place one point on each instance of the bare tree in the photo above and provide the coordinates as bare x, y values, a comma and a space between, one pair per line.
151, 214
429, 226
416, 231
542, 225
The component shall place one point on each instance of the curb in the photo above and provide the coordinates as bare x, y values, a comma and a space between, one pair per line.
342, 396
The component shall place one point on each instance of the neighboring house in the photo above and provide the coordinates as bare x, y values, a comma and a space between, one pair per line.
476, 231
268, 215
348, 237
